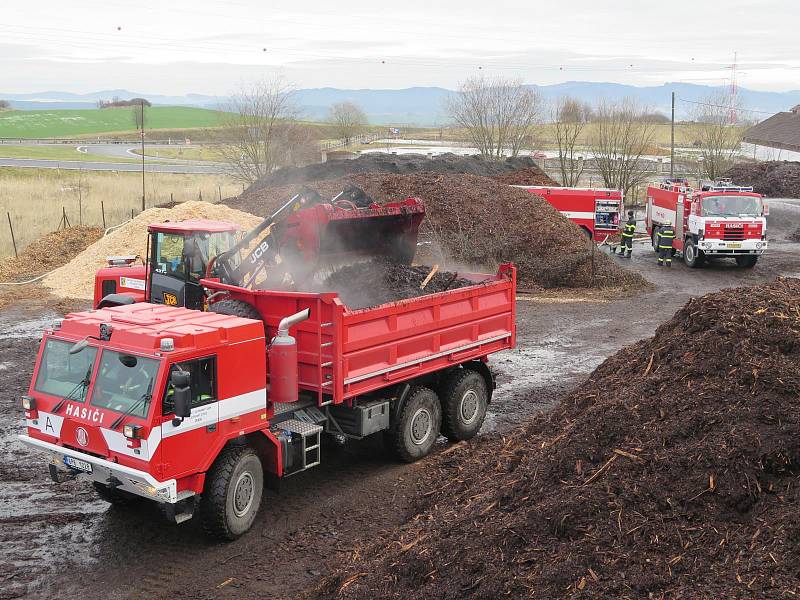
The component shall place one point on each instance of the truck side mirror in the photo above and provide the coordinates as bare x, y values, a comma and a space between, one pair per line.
182, 395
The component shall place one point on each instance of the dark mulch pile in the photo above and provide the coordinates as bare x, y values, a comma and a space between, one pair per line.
474, 223
378, 282
777, 179
671, 473
403, 164
49, 252
526, 176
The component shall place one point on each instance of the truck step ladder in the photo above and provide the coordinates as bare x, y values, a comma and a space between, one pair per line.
310, 435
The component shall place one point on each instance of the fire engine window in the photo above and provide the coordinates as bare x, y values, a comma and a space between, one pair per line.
64, 374
203, 382
125, 383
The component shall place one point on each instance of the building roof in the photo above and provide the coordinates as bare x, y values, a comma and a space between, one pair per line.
779, 131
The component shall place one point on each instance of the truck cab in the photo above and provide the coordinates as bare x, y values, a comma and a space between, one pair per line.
179, 253
142, 398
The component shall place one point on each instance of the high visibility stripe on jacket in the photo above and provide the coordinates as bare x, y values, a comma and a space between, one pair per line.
629, 230
666, 235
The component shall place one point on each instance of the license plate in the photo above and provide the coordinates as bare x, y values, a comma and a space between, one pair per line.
734, 245
76, 463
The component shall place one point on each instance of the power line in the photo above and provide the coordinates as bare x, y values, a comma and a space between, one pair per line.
762, 112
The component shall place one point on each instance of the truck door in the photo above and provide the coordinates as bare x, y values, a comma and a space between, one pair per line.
187, 444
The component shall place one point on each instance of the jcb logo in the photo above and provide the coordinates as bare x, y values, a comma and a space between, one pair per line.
259, 252
170, 299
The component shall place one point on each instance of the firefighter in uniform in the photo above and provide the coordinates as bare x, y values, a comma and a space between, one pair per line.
664, 239
626, 240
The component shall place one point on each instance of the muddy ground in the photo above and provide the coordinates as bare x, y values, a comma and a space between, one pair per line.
60, 540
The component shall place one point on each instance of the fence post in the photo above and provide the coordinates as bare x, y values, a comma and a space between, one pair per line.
103, 212
131, 213
13, 239
171, 198
201, 195
219, 189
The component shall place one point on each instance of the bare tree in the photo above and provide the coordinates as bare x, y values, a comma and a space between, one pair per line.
261, 124
622, 136
715, 137
499, 115
570, 117
348, 120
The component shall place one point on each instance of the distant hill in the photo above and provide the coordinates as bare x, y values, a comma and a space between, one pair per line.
425, 105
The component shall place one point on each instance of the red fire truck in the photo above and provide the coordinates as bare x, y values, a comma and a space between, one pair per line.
196, 410
719, 220
596, 210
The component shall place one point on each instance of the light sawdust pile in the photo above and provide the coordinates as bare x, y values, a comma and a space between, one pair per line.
76, 278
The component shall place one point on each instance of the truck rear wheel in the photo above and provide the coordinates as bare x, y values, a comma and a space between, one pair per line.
232, 494
413, 435
747, 262
237, 308
464, 401
692, 256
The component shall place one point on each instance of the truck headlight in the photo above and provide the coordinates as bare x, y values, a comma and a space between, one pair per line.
131, 431
28, 403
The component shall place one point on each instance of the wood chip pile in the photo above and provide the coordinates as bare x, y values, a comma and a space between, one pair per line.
76, 278
477, 223
48, 252
671, 473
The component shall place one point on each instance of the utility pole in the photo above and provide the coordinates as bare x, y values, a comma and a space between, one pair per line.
672, 141
142, 123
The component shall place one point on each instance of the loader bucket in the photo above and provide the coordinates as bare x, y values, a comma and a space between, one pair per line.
340, 233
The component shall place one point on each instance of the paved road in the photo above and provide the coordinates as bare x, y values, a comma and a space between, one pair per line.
37, 163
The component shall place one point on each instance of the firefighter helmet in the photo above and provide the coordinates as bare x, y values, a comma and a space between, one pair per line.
668, 223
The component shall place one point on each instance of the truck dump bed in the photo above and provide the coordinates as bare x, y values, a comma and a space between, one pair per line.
343, 353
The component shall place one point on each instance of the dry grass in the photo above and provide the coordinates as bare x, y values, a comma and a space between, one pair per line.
35, 198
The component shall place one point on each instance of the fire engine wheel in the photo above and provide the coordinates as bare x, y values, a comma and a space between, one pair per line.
417, 427
114, 496
692, 256
748, 262
232, 494
237, 308
464, 401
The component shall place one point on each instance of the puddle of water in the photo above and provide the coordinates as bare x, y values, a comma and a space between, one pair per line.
16, 329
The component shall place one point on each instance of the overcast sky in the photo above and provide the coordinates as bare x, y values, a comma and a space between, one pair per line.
214, 47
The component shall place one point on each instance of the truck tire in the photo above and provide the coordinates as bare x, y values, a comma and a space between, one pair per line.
692, 255
114, 496
232, 494
746, 262
237, 308
464, 400
653, 241
417, 427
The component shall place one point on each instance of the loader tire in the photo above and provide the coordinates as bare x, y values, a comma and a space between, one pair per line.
237, 308
464, 401
232, 494
414, 433
114, 496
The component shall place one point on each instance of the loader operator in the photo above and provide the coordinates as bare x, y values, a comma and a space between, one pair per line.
626, 240
664, 239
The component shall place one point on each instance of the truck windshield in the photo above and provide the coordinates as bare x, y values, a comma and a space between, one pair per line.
732, 206
123, 382
61, 373
173, 252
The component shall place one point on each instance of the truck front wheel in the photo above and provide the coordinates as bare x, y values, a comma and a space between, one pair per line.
748, 262
464, 401
692, 256
232, 493
413, 435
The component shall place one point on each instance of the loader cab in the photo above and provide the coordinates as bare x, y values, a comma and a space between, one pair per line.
179, 256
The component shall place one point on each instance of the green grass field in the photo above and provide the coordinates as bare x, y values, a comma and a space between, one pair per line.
73, 123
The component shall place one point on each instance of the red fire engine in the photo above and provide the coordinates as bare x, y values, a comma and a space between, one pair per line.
596, 210
719, 220
197, 410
